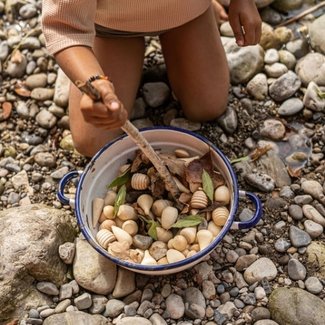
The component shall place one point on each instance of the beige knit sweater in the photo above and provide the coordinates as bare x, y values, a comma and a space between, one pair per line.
71, 22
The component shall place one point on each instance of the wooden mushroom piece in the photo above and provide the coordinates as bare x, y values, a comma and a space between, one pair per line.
140, 181
220, 216
145, 202
97, 208
199, 200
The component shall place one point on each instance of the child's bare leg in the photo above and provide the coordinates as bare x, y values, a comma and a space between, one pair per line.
122, 60
197, 67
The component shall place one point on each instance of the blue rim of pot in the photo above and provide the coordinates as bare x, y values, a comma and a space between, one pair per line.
199, 255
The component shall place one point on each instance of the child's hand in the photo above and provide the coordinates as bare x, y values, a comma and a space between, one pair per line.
245, 22
108, 114
219, 11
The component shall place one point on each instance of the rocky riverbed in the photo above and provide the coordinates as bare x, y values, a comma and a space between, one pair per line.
271, 274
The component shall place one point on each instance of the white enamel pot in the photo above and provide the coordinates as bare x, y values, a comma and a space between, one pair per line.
104, 166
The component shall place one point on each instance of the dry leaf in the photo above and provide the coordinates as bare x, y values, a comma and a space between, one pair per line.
259, 152
21, 89
185, 198
294, 172
16, 57
157, 186
140, 158
5, 111
175, 166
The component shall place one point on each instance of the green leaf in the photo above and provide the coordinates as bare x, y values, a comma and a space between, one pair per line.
152, 232
188, 221
207, 184
120, 199
120, 180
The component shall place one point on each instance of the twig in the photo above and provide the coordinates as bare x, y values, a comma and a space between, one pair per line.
302, 14
140, 141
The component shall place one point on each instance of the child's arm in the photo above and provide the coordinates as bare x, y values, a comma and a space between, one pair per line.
245, 22
68, 27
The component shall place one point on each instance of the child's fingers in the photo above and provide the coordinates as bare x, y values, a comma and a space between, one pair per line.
238, 32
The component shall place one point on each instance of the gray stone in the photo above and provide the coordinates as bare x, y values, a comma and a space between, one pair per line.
245, 261
296, 270
155, 93
28, 11
194, 311
285, 86
195, 296
273, 129
295, 212
4, 50
244, 62
316, 34
93, 271
47, 287
266, 322
226, 30
313, 229
114, 307
76, 317
46, 119
260, 269
133, 321
185, 124
47, 312
257, 86
25, 234
83, 301
65, 291
67, 252
312, 100
61, 90
275, 70
228, 121
287, 5
270, 16
298, 47
156, 319
281, 245
290, 107
125, 283
59, 173
38, 80
298, 237
262, 182
313, 285
30, 43
17, 68
271, 56
175, 306
228, 309
314, 188
296, 306
142, 242
316, 258
311, 68
303, 199
45, 159
311, 213
208, 289
98, 305
288, 59
42, 94
62, 306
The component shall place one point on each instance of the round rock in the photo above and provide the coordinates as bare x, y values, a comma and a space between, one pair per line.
296, 270
290, 107
260, 269
313, 285
316, 32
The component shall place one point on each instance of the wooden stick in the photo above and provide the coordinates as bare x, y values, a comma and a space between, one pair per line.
140, 141
302, 14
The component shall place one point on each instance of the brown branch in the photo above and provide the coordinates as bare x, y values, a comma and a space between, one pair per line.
140, 141
302, 14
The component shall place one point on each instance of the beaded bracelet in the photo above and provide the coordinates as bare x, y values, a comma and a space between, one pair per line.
97, 77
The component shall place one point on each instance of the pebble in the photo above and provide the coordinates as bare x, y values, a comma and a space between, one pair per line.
298, 237
98, 304
59, 173
133, 321
83, 301
228, 121
113, 308
290, 107
311, 99
65, 292
245, 261
62, 306
281, 245
271, 56
45, 159
295, 212
273, 129
257, 87
4, 50
275, 70
228, 309
260, 269
48, 288
155, 94
311, 213
259, 313
262, 182
303, 199
67, 252
285, 86
313, 229
298, 47
46, 119
288, 59
259, 293
156, 319
296, 270
313, 285
316, 34
28, 11
38, 80
175, 306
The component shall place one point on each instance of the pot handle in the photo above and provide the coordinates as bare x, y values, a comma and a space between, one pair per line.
62, 184
257, 215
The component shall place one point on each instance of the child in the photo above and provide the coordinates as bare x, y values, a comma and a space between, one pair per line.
90, 39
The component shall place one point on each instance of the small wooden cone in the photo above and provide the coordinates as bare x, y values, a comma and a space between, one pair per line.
98, 205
